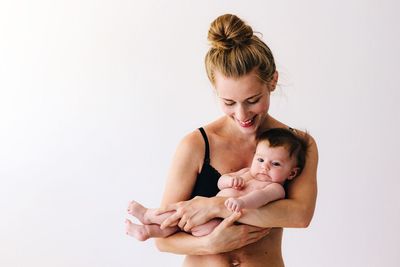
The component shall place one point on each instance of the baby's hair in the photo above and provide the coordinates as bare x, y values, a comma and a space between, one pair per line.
296, 146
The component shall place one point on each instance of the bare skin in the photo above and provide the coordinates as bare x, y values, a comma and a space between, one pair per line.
150, 223
267, 250
248, 188
232, 148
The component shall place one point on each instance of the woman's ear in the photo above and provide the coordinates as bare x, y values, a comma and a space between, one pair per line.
293, 173
274, 81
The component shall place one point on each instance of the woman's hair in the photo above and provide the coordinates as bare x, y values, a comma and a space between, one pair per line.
295, 145
235, 50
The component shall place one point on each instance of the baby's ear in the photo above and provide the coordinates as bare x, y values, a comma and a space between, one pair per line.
293, 173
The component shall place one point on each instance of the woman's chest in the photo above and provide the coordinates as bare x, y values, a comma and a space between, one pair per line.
228, 158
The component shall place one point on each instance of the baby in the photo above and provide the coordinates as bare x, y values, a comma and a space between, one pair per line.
280, 156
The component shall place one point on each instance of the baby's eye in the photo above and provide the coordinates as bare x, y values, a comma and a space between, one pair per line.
260, 160
276, 164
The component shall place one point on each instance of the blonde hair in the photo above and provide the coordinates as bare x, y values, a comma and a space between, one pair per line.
235, 50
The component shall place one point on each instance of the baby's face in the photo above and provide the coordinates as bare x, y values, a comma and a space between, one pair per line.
272, 163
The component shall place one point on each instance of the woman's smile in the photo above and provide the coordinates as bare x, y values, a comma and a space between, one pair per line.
248, 123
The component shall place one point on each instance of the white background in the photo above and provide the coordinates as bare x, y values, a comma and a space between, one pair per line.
95, 95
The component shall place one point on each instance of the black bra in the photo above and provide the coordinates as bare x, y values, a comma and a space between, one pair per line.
207, 180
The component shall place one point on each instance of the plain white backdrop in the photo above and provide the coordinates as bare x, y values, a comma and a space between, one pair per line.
95, 95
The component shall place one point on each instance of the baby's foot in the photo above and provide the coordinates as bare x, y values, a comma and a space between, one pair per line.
137, 210
137, 231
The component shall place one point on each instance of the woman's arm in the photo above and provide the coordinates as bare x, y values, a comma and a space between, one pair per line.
295, 211
225, 237
186, 164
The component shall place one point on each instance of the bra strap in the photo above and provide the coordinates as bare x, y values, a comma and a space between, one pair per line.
207, 154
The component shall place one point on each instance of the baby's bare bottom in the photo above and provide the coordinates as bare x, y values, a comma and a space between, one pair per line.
206, 228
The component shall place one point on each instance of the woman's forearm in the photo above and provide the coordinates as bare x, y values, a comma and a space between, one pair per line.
183, 243
282, 213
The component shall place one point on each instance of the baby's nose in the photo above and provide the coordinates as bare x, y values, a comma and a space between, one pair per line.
265, 166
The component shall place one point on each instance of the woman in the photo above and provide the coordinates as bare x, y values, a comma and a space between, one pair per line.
242, 70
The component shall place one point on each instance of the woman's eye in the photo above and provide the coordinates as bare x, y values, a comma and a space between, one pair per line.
229, 103
260, 160
253, 101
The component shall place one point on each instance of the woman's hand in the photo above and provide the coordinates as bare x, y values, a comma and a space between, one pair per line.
191, 213
227, 236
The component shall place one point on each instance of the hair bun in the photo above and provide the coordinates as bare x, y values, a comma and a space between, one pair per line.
229, 31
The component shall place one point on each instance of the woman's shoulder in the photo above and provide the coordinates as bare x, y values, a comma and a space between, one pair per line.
192, 140
190, 151
195, 139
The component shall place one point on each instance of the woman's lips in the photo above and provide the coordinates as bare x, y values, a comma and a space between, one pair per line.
247, 123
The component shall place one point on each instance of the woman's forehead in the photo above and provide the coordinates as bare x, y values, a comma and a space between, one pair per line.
245, 86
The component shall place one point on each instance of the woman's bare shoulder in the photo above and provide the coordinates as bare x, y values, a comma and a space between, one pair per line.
192, 144
186, 164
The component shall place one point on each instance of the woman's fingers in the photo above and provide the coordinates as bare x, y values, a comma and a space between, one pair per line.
255, 229
228, 236
254, 237
171, 220
183, 222
255, 233
231, 219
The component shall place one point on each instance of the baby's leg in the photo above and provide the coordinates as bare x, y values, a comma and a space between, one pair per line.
206, 228
145, 215
144, 232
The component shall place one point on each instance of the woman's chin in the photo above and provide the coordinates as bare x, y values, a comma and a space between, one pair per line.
248, 130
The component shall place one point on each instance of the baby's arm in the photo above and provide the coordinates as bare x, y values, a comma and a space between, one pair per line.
256, 198
232, 180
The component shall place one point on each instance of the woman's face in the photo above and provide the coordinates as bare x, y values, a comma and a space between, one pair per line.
245, 100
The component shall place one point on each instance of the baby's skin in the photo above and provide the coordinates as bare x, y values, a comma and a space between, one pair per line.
248, 188
150, 222
232, 186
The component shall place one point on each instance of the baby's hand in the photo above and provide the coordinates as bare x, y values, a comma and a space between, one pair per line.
237, 182
234, 204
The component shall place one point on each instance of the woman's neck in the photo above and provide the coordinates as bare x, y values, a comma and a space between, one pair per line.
231, 128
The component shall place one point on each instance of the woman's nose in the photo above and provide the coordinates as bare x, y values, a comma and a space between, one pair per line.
241, 113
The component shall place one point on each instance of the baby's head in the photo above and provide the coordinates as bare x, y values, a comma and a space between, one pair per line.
280, 155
